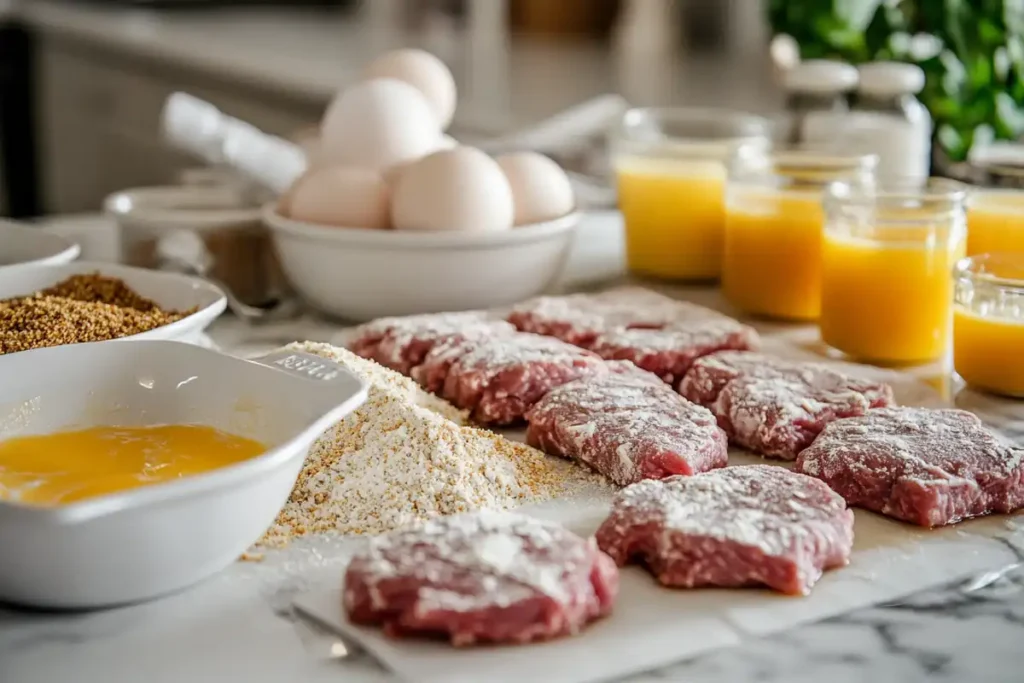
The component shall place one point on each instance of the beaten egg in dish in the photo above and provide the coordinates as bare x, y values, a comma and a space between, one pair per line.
65, 467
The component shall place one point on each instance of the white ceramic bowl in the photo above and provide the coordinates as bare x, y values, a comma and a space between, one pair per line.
24, 245
145, 542
168, 290
363, 274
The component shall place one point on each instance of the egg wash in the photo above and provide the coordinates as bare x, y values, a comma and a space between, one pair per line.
65, 467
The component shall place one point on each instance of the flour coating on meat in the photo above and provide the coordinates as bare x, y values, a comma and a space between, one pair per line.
928, 467
486, 577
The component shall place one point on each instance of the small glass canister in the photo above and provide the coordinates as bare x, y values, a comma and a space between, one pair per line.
773, 228
995, 213
887, 296
988, 323
670, 166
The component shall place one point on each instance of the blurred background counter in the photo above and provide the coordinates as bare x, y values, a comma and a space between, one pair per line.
104, 69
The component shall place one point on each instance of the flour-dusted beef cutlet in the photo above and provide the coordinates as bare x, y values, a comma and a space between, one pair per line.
670, 351
709, 374
488, 577
628, 427
928, 467
776, 407
580, 318
500, 378
737, 526
402, 343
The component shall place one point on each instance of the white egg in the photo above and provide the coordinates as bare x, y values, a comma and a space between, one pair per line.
541, 190
378, 124
460, 189
423, 71
341, 196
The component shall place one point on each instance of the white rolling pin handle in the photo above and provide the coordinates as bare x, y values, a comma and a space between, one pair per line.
195, 126
271, 161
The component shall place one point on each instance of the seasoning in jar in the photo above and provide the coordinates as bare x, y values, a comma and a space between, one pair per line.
988, 323
887, 296
82, 308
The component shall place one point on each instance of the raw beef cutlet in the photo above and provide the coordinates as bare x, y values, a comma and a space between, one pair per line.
628, 428
488, 577
670, 351
580, 318
500, 378
737, 526
927, 467
402, 343
709, 374
776, 407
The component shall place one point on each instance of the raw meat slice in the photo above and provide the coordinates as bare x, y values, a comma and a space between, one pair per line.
402, 343
927, 467
670, 351
737, 526
483, 578
580, 318
628, 427
709, 374
500, 378
776, 407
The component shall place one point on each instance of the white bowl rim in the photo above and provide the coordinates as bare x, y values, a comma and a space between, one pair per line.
69, 250
198, 484
207, 313
408, 239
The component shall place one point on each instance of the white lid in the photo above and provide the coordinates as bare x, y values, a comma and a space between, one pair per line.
997, 153
821, 76
891, 78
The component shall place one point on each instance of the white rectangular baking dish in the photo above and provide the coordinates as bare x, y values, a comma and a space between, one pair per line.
168, 290
145, 542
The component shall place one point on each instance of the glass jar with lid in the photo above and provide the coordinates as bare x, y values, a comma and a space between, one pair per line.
995, 213
670, 168
774, 226
888, 119
817, 90
889, 250
988, 323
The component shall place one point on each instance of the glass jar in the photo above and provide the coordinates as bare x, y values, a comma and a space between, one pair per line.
816, 99
887, 118
887, 296
670, 166
773, 228
988, 323
995, 211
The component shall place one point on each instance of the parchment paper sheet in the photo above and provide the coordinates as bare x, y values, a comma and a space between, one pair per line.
653, 626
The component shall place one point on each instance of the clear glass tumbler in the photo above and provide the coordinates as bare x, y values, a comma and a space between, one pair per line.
988, 322
887, 295
670, 166
773, 228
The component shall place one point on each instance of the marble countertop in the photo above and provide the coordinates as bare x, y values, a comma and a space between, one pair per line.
240, 625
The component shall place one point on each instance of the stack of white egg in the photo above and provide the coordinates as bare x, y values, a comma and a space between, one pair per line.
383, 161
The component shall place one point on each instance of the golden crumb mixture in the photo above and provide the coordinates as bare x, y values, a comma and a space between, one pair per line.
399, 459
82, 308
